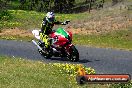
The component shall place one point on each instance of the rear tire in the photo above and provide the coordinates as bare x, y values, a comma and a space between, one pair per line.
47, 55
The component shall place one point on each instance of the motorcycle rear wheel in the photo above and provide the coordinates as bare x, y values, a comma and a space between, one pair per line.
45, 55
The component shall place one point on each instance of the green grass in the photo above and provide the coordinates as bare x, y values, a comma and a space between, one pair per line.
17, 37
23, 19
21, 73
18, 73
32, 19
117, 39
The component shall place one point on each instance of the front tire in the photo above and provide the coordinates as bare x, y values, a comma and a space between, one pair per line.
74, 54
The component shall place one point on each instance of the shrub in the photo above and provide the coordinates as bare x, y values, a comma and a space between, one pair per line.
5, 15
122, 85
72, 69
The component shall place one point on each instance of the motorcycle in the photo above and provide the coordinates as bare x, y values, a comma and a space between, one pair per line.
61, 45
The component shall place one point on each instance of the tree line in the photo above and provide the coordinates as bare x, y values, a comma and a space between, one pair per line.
46, 5
60, 6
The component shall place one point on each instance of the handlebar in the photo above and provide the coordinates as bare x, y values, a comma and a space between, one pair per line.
65, 22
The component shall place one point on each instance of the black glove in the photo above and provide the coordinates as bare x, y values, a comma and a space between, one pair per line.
65, 22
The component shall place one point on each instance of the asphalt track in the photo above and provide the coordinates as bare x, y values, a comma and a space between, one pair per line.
104, 61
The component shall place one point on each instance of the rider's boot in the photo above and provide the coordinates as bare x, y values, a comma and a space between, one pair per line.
40, 43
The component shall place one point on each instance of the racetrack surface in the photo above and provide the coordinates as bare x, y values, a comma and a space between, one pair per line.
102, 60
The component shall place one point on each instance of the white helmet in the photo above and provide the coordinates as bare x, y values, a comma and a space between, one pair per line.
50, 17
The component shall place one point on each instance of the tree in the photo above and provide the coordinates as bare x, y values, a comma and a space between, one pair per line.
3, 4
114, 2
63, 6
22, 2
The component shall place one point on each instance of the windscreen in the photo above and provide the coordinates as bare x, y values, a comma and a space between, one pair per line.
62, 32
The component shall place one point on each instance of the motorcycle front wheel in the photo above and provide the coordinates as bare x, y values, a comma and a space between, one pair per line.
74, 54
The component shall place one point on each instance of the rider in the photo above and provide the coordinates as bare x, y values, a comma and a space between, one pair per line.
47, 25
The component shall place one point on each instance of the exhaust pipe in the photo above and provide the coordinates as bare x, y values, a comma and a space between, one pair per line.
37, 45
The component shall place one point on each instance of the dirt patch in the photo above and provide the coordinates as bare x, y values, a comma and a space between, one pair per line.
27, 33
105, 25
81, 31
16, 32
104, 21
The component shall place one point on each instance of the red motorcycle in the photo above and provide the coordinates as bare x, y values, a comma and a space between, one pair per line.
61, 45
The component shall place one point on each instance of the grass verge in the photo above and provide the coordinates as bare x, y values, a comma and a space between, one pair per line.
118, 39
32, 19
121, 39
21, 73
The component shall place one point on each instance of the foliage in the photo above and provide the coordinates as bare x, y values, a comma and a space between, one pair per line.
21, 73
22, 19
122, 85
44, 5
72, 69
3, 4
61, 6
5, 15
118, 39
32, 19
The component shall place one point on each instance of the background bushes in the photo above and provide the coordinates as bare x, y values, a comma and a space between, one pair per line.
60, 6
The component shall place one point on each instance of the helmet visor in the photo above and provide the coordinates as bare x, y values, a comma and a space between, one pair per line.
51, 19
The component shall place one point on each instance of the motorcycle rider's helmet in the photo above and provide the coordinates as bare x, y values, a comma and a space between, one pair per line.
50, 17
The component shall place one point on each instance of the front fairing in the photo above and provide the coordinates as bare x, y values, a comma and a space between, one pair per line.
60, 37
61, 31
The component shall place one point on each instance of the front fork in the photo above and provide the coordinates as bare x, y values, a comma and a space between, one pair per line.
68, 50
37, 45
68, 47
